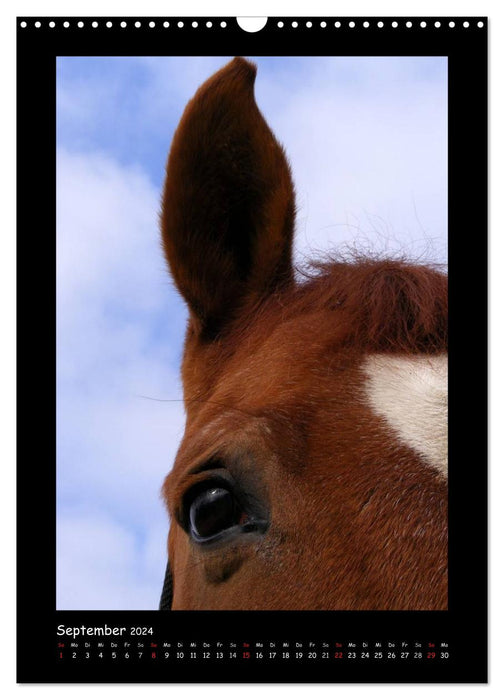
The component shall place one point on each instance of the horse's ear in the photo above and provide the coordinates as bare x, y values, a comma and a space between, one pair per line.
228, 205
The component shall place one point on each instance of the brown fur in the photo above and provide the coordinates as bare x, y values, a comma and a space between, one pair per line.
273, 385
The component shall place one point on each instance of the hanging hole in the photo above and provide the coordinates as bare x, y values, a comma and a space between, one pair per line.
251, 24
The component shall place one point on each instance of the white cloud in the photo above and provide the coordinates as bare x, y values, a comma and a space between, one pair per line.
102, 564
171, 84
107, 234
367, 141
114, 295
115, 347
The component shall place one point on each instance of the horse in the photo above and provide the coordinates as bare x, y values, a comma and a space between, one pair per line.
312, 474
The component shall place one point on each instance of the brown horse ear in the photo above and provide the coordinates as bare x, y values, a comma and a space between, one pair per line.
228, 205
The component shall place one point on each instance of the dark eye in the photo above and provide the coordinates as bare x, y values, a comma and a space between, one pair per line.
213, 511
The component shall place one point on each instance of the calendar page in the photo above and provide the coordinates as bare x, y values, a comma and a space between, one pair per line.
247, 244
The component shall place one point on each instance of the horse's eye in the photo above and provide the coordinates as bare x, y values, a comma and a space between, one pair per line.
213, 511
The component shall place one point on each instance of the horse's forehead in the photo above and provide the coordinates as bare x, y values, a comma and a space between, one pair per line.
256, 392
410, 393
301, 364
285, 356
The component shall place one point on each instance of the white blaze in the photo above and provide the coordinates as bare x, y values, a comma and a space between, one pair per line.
411, 394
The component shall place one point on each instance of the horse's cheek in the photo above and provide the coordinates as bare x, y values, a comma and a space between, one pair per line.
180, 561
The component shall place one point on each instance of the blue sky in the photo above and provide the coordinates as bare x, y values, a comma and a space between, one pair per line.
367, 141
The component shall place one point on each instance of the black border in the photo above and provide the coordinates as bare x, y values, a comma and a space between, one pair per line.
464, 625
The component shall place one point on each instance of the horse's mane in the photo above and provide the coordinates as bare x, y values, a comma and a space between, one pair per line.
378, 305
